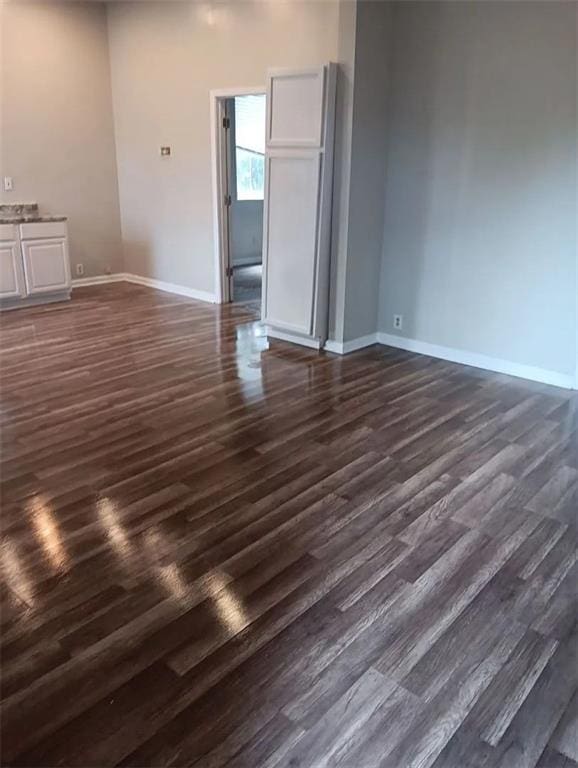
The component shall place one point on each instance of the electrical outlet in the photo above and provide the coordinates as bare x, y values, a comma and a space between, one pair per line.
80, 269
107, 271
398, 322
8, 184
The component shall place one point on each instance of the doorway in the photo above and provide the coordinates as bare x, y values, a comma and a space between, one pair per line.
240, 166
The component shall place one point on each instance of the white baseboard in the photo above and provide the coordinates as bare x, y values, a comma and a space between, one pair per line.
80, 282
345, 347
463, 357
542, 375
180, 290
294, 338
159, 285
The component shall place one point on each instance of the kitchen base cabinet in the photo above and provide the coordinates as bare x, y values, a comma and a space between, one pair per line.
12, 284
34, 264
46, 265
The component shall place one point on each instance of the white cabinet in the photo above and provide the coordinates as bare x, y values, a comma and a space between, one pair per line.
34, 264
11, 274
297, 211
291, 230
46, 265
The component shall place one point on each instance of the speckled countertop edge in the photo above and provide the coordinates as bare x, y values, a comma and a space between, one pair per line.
25, 213
30, 219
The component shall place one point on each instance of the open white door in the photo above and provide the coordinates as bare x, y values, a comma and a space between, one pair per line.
297, 211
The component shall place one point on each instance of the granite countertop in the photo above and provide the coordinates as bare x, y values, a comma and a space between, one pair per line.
25, 213
29, 219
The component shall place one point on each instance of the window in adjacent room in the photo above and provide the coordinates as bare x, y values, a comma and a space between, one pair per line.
250, 147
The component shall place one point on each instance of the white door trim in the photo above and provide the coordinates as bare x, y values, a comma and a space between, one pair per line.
217, 97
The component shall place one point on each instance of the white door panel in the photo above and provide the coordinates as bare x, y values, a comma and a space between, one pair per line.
297, 216
291, 236
295, 108
46, 265
11, 275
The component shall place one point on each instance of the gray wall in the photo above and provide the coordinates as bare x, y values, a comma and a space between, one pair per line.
165, 59
368, 168
56, 124
342, 165
479, 249
246, 232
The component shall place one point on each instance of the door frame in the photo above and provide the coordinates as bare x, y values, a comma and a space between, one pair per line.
221, 253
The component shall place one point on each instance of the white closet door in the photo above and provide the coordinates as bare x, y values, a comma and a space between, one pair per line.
291, 235
299, 159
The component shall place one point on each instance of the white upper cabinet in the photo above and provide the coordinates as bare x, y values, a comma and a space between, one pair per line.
297, 212
295, 108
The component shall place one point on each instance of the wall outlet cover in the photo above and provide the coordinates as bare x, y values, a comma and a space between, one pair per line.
398, 322
80, 269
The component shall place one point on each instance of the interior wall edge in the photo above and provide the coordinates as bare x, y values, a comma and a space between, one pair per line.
366, 211
342, 167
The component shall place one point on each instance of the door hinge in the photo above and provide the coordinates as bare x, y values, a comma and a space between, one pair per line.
229, 271
227, 200
226, 122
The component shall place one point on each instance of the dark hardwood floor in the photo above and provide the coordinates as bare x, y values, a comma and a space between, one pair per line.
219, 552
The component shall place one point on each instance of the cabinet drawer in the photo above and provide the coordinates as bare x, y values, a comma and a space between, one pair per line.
43, 229
8, 232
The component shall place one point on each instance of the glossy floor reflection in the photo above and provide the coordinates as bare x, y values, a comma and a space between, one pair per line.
219, 550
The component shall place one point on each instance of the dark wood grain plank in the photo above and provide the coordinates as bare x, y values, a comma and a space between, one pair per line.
223, 550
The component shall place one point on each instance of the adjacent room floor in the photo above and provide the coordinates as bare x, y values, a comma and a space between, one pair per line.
222, 552
247, 285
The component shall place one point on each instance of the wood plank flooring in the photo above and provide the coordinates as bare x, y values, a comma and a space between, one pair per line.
219, 552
